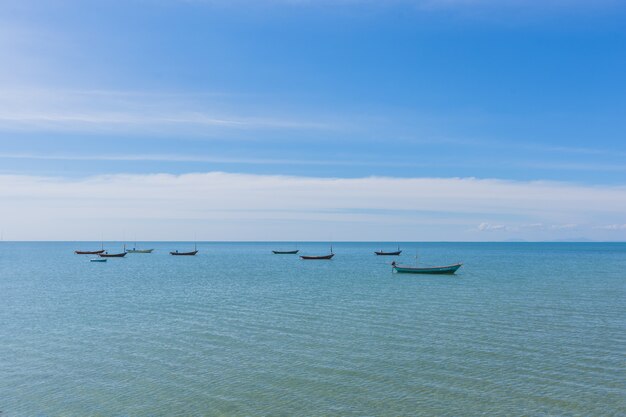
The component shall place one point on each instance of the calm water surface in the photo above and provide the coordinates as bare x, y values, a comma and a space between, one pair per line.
523, 329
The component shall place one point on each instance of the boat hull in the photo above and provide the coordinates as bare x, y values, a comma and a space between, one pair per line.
313, 258
98, 260
139, 250
435, 270
184, 253
112, 255
396, 253
285, 252
89, 252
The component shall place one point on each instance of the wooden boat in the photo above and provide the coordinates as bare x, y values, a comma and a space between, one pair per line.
285, 252
329, 256
139, 250
89, 252
112, 255
135, 250
177, 253
192, 253
319, 257
394, 253
98, 260
439, 270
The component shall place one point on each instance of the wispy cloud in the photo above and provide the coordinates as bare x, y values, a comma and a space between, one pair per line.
100, 110
361, 208
487, 227
613, 227
421, 3
469, 8
217, 159
567, 226
398, 161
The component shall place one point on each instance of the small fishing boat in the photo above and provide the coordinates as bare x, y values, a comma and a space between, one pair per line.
329, 256
439, 270
394, 253
285, 252
133, 250
112, 255
319, 257
192, 253
89, 252
98, 260
177, 253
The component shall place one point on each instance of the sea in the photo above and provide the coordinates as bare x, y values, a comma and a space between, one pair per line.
522, 329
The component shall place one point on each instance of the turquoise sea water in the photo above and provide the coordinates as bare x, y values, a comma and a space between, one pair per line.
523, 329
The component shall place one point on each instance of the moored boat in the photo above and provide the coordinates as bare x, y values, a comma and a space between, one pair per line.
98, 260
381, 253
91, 252
391, 253
112, 255
139, 250
191, 253
329, 256
135, 250
438, 270
177, 253
285, 252
319, 257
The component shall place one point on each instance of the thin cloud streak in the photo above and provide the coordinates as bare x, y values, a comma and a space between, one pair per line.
89, 110
421, 4
367, 208
217, 159
192, 158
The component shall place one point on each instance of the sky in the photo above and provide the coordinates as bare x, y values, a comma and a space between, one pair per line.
397, 120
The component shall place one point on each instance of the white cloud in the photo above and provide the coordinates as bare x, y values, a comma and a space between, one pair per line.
241, 206
614, 227
217, 159
419, 3
471, 8
129, 111
487, 227
567, 226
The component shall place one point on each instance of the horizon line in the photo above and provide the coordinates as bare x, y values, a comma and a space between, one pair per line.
317, 241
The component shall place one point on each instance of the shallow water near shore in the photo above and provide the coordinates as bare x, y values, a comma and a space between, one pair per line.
522, 329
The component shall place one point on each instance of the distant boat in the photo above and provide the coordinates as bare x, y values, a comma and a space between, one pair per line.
319, 257
135, 250
285, 252
98, 260
89, 252
112, 255
329, 256
177, 253
394, 253
439, 270
192, 253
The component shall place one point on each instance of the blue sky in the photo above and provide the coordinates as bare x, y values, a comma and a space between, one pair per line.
521, 92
